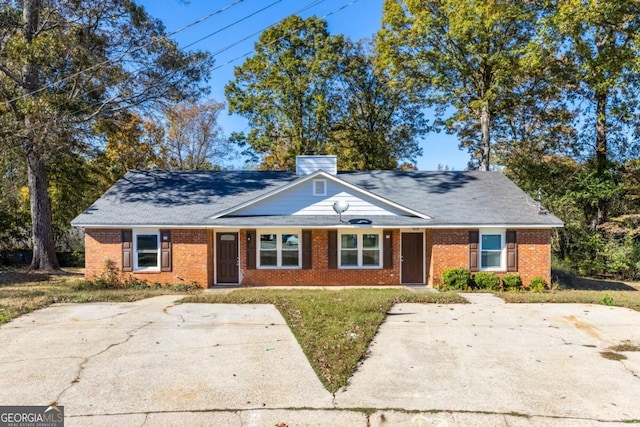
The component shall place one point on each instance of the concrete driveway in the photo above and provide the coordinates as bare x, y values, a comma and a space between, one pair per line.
158, 363
153, 356
538, 360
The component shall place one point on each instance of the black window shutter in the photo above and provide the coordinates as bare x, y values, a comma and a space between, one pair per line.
251, 249
332, 256
165, 250
387, 249
307, 245
127, 250
474, 239
512, 251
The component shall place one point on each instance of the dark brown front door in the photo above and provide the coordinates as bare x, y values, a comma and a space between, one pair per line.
227, 258
412, 258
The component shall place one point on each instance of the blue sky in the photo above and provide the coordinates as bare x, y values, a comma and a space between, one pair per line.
355, 19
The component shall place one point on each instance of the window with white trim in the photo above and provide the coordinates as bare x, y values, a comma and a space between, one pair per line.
360, 249
492, 249
319, 187
279, 249
146, 250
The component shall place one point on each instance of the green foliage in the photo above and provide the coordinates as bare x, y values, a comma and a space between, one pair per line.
511, 282
306, 90
456, 278
486, 280
110, 277
607, 300
64, 66
538, 284
478, 59
377, 120
284, 90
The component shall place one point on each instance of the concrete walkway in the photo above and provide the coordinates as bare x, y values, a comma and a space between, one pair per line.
158, 363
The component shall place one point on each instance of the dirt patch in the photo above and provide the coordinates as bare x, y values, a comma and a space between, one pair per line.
625, 346
612, 355
588, 329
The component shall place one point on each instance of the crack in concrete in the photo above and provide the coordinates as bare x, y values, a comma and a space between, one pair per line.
166, 311
368, 412
628, 369
83, 364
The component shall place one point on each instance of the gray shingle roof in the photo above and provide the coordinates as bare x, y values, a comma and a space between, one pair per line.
191, 198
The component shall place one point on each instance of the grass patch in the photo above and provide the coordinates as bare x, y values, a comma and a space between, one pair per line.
334, 328
22, 292
628, 299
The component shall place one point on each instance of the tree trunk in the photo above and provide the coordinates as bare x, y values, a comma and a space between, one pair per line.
601, 132
44, 250
601, 149
485, 143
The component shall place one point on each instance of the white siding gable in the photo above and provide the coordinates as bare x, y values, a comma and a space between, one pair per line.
299, 200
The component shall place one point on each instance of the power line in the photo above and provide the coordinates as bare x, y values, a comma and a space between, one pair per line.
123, 55
306, 7
237, 42
232, 24
274, 41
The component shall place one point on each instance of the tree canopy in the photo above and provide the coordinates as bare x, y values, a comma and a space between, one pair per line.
466, 57
64, 64
306, 90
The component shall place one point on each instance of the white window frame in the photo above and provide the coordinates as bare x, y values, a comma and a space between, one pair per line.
279, 232
324, 187
145, 232
360, 249
503, 250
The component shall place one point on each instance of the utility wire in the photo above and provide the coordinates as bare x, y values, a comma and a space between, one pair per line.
277, 40
306, 7
231, 25
124, 54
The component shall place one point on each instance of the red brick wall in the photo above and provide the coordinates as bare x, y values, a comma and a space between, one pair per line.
193, 255
320, 275
450, 248
534, 254
191, 249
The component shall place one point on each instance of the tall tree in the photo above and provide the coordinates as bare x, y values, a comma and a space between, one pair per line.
63, 64
284, 90
465, 56
194, 138
377, 121
600, 48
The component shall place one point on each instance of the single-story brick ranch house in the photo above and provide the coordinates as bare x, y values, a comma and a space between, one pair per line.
254, 228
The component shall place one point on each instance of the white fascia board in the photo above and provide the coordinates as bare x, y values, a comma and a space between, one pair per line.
312, 176
254, 225
532, 226
132, 226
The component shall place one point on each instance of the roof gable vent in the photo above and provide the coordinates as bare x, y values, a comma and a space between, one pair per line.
310, 164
